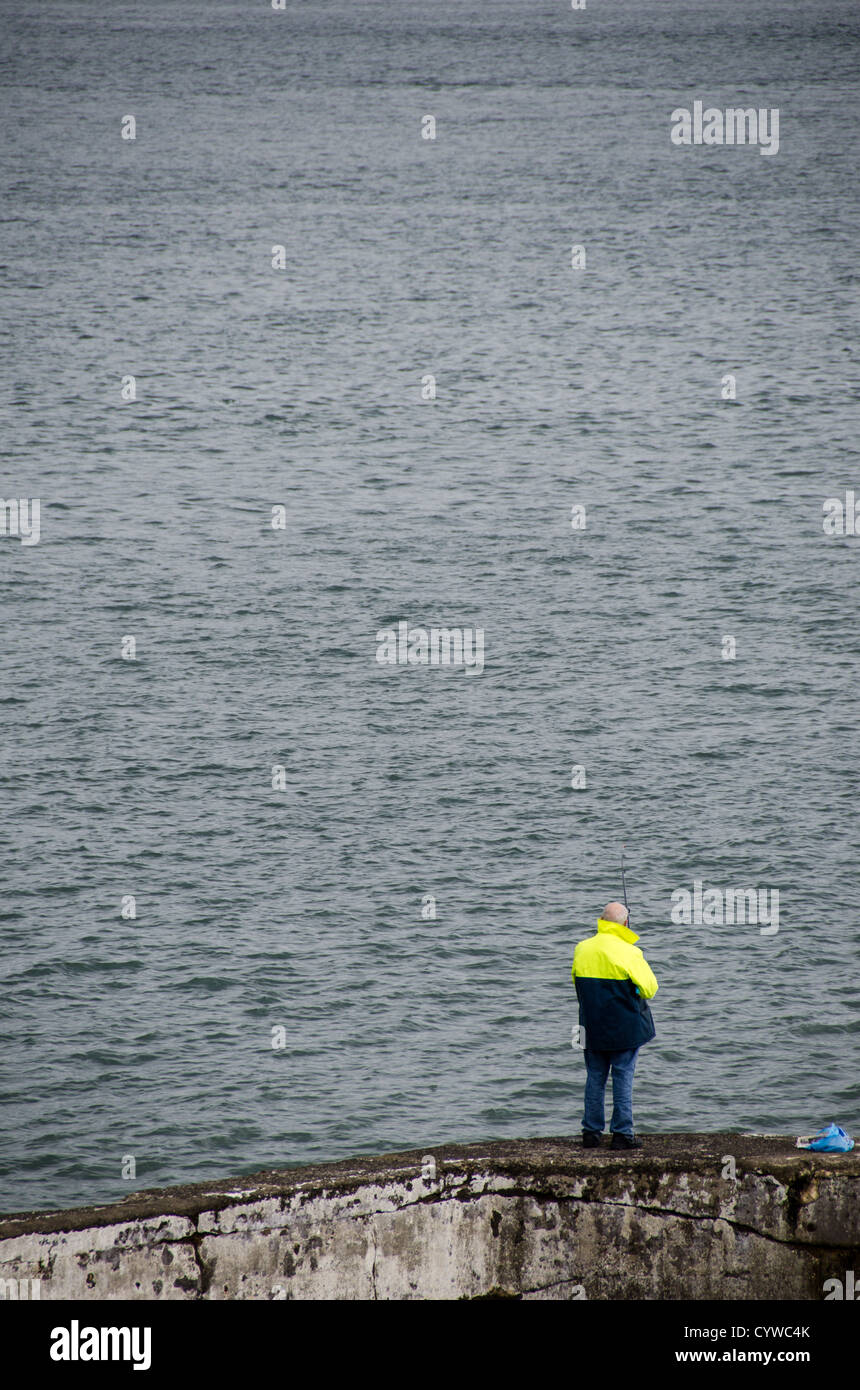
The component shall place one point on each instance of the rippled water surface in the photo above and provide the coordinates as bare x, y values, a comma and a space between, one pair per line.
301, 908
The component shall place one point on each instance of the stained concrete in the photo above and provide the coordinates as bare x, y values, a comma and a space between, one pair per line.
530, 1218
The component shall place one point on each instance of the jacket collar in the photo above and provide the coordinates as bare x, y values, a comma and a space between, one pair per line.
617, 929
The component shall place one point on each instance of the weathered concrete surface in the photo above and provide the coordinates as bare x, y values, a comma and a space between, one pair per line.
532, 1218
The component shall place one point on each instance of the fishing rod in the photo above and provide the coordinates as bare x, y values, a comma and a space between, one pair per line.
624, 885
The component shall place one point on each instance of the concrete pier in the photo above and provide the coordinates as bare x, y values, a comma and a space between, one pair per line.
690, 1216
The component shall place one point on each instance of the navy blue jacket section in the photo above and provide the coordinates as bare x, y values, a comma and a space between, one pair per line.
614, 1016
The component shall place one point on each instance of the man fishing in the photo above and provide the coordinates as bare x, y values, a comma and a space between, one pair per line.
613, 982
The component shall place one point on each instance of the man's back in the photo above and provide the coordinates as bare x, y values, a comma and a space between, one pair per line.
613, 982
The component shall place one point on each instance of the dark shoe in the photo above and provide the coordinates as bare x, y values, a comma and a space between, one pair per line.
590, 1140
625, 1141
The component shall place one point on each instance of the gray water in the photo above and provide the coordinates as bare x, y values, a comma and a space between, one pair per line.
302, 908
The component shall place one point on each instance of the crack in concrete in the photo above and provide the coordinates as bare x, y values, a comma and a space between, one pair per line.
194, 1241
463, 1194
373, 1266
784, 1242
555, 1284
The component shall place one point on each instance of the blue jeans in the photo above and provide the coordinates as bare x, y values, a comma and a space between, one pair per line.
598, 1065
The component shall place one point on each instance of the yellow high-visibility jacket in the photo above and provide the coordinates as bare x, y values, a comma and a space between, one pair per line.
613, 982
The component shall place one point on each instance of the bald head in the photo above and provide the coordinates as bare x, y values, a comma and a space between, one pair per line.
615, 912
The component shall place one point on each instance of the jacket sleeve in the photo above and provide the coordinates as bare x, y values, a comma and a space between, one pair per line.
642, 975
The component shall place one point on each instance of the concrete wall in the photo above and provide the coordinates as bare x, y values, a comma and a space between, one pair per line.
536, 1218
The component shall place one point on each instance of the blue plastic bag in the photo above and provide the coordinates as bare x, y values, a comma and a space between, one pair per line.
832, 1140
